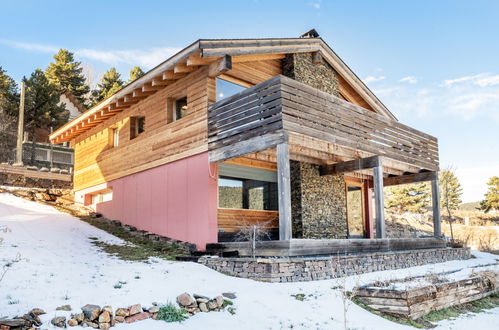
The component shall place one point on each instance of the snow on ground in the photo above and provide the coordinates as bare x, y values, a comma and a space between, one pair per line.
61, 266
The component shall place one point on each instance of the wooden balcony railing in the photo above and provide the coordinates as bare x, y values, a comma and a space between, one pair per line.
283, 104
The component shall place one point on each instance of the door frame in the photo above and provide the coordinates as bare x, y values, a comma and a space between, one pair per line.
365, 193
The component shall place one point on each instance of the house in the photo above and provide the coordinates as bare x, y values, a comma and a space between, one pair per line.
229, 133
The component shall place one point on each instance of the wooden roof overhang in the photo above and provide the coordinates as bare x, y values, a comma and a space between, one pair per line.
218, 55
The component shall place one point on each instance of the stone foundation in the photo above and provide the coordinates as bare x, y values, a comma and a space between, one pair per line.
321, 268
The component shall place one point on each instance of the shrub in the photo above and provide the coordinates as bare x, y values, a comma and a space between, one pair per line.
171, 313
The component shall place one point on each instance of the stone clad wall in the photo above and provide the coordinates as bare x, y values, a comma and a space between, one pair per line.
318, 203
321, 268
301, 68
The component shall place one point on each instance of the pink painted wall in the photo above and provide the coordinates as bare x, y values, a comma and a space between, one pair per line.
176, 200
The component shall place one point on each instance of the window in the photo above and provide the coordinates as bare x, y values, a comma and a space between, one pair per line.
180, 108
136, 126
104, 196
241, 187
226, 89
114, 137
176, 108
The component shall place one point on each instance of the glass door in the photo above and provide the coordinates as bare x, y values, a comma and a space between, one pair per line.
355, 211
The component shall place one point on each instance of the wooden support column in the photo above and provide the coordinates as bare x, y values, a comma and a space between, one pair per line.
379, 201
284, 188
435, 202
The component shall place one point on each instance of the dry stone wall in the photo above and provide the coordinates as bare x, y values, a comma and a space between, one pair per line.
321, 268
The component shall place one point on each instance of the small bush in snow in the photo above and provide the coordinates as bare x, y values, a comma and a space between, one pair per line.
171, 313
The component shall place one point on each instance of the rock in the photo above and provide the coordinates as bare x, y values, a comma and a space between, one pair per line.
44, 169
198, 296
104, 326
137, 317
17, 322
4, 327
220, 301
90, 324
32, 319
122, 312
203, 308
73, 323
212, 305
63, 308
91, 312
230, 295
119, 319
154, 316
105, 317
134, 309
79, 317
108, 309
37, 311
153, 309
185, 299
202, 300
59, 321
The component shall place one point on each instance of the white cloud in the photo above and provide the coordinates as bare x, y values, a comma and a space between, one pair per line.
315, 4
370, 79
409, 79
488, 81
146, 58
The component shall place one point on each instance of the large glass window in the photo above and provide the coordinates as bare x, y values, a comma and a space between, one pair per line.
226, 89
242, 187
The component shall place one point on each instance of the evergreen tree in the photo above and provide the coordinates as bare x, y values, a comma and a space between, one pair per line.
9, 99
135, 73
491, 201
41, 108
66, 74
408, 197
110, 83
450, 191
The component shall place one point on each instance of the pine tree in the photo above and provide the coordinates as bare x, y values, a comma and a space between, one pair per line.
491, 201
450, 191
110, 83
66, 74
135, 73
41, 108
408, 197
9, 102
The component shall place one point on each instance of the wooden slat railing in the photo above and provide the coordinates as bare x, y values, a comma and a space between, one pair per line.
283, 104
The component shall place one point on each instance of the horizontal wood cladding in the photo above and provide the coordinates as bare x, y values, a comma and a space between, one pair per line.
231, 220
281, 104
96, 161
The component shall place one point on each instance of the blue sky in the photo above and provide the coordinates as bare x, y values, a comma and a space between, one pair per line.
433, 63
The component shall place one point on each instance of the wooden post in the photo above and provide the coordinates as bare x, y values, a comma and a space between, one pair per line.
284, 188
435, 202
379, 201
20, 129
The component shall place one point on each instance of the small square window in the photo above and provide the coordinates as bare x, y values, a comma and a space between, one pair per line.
180, 108
137, 126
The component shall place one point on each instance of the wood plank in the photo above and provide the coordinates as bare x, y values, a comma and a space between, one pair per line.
409, 178
350, 166
219, 67
379, 204
435, 202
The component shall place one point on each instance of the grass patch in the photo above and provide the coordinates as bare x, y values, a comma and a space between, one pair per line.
299, 296
427, 321
139, 249
171, 313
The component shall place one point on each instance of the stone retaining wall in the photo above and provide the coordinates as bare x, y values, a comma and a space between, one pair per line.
320, 268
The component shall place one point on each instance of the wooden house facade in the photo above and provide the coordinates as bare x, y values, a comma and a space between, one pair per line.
231, 133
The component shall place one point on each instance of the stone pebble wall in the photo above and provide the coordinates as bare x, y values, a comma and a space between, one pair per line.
321, 268
318, 203
19, 180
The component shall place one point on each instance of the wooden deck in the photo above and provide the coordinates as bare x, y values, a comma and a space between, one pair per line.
35, 174
313, 247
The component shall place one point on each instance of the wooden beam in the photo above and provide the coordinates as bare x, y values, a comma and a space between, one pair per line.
196, 59
351, 165
409, 178
183, 68
284, 188
379, 201
256, 57
161, 82
170, 75
221, 66
316, 57
435, 202
149, 88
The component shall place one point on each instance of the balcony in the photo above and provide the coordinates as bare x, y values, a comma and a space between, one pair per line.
282, 109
